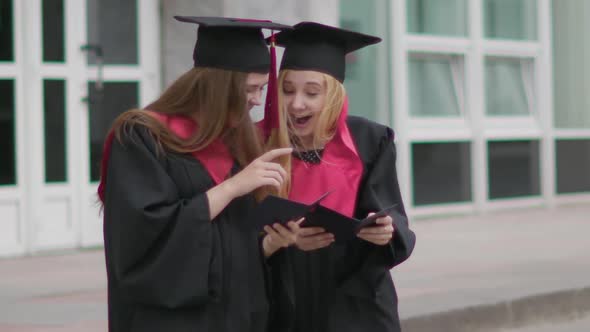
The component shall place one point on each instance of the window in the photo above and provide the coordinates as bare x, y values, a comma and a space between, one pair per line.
573, 165
436, 85
112, 25
509, 86
471, 83
441, 172
571, 54
54, 101
6, 31
437, 17
53, 30
105, 106
7, 133
363, 73
511, 19
514, 169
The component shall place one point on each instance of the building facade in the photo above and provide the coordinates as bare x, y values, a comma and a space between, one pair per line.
489, 98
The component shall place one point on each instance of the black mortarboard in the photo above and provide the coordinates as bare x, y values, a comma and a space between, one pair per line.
231, 43
323, 48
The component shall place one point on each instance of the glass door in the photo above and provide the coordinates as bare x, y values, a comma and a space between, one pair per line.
12, 184
121, 71
50, 71
67, 68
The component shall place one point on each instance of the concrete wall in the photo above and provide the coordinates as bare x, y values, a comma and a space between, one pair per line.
178, 39
285, 11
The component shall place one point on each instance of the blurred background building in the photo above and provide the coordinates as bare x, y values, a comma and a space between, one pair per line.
490, 99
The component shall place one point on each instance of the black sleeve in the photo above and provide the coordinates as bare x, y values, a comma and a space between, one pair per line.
161, 248
379, 190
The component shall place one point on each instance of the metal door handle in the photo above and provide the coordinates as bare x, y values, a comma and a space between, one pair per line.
95, 49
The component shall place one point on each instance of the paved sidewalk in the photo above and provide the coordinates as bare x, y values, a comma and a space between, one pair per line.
505, 270
573, 325
55, 293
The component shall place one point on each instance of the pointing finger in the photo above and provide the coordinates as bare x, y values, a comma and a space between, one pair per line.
273, 154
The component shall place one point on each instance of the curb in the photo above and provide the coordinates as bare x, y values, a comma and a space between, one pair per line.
560, 306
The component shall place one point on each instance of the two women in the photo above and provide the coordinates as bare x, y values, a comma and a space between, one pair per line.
179, 177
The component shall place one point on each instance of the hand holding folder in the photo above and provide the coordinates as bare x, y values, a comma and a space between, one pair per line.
274, 209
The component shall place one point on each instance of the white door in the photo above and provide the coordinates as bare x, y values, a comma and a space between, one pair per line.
50, 71
13, 182
71, 100
121, 71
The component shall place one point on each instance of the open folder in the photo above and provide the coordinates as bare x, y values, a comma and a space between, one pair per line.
275, 209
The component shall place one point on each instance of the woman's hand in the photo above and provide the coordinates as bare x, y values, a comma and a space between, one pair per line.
381, 233
260, 172
312, 238
279, 236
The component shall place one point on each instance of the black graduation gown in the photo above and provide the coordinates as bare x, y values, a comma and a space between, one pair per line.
348, 287
169, 267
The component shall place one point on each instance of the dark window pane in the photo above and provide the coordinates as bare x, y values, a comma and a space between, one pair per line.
441, 172
513, 169
6, 31
7, 133
573, 166
104, 107
112, 24
54, 106
53, 30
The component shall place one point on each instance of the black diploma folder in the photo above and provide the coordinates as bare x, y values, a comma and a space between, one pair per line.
275, 209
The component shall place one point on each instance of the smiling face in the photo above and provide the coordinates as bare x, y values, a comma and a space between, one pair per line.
255, 84
304, 98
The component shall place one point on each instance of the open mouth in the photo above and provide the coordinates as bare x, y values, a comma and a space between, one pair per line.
300, 121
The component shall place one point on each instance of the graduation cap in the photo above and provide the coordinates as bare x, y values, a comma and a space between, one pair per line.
232, 43
318, 47
275, 209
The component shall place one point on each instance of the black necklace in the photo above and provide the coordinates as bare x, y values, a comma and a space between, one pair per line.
309, 156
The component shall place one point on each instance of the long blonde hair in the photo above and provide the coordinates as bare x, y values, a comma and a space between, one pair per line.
325, 126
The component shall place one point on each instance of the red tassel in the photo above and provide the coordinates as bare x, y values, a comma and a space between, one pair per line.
106, 151
271, 109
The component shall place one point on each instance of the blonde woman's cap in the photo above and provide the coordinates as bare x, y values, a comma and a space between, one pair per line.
319, 47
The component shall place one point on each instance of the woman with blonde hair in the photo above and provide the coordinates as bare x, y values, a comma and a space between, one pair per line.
324, 283
177, 180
